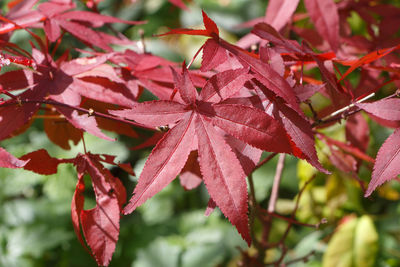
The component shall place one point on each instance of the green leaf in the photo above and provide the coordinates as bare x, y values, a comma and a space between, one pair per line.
354, 244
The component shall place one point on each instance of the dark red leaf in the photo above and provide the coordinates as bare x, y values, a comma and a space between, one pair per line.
60, 131
210, 31
14, 116
41, 162
210, 25
266, 75
301, 134
100, 225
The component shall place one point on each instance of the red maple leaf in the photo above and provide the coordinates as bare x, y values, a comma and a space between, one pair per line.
196, 121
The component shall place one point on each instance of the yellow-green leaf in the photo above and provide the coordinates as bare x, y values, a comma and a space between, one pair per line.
354, 244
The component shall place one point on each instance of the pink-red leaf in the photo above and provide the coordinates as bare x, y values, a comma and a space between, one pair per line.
224, 85
100, 225
185, 85
387, 163
357, 132
9, 161
190, 176
213, 55
83, 122
387, 109
252, 126
153, 113
325, 16
164, 163
97, 20
223, 176
279, 12
179, 3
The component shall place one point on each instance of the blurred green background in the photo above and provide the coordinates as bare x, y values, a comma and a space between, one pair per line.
170, 229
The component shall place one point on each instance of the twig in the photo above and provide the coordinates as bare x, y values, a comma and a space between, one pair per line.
254, 212
142, 43
304, 259
344, 112
277, 181
272, 200
350, 106
293, 221
264, 161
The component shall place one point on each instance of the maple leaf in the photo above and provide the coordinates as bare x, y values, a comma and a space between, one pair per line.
195, 117
271, 82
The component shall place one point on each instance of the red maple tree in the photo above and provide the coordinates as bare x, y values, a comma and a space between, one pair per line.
213, 124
